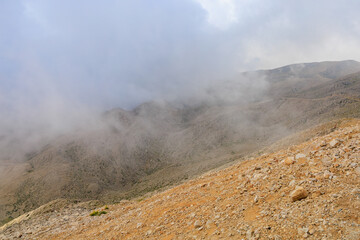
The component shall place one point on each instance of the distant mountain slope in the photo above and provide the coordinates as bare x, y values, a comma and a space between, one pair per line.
348, 85
328, 70
159, 143
295, 78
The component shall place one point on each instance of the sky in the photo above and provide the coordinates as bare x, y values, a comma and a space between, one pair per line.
61, 59
120, 53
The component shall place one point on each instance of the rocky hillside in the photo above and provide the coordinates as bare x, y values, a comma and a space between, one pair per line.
130, 153
305, 191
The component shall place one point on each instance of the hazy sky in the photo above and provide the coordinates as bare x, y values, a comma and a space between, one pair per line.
62, 60
57, 54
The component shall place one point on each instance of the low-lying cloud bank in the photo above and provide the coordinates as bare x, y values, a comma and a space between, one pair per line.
62, 64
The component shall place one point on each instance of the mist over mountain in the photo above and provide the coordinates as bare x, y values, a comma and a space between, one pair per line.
63, 63
125, 153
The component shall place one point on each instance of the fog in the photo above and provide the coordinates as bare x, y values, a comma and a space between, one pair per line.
63, 63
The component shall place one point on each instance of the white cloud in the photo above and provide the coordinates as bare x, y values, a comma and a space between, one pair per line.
221, 13
121, 53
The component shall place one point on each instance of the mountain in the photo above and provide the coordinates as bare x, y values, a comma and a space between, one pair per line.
160, 143
291, 79
306, 191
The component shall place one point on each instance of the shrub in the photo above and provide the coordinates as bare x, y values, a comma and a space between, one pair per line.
98, 213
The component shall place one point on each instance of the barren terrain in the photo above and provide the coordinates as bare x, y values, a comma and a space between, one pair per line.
306, 191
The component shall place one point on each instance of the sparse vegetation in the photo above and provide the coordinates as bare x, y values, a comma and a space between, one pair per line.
97, 213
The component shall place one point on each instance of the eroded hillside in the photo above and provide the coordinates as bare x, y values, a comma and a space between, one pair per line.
310, 190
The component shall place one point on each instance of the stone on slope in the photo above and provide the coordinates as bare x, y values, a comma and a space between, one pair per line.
298, 194
289, 160
300, 156
334, 143
197, 224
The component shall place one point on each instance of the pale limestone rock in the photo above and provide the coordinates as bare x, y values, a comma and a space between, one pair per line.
197, 224
300, 156
289, 160
327, 174
334, 143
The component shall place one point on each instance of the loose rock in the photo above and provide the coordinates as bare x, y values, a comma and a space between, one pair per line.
197, 224
334, 143
289, 160
298, 194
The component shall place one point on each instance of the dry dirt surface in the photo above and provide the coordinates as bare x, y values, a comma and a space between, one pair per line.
308, 191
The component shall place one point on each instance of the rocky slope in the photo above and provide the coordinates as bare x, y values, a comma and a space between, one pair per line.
157, 144
306, 191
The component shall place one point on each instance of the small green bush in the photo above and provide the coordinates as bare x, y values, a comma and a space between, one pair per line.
97, 213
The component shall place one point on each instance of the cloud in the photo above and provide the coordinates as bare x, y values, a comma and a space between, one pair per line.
271, 34
121, 53
221, 14
58, 58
